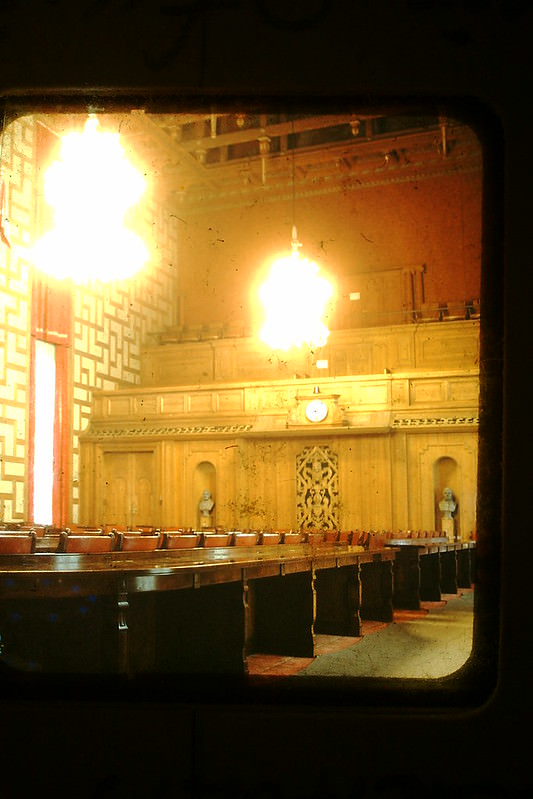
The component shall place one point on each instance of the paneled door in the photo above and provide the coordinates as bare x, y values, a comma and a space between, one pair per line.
130, 488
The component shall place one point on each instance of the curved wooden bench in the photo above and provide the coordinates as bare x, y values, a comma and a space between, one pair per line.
17, 543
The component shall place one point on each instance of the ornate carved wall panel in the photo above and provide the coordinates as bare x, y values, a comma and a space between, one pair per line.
359, 481
317, 488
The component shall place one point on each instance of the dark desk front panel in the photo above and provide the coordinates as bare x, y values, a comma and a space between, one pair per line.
282, 614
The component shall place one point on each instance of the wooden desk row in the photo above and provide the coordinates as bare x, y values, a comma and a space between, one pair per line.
193, 611
424, 571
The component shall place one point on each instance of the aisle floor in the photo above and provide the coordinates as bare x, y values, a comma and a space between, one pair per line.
430, 642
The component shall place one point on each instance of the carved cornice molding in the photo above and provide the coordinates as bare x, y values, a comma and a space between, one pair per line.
436, 421
94, 431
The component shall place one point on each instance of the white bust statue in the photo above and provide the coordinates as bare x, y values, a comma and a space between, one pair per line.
447, 507
447, 504
206, 503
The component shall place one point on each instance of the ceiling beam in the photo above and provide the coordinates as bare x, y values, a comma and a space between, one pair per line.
139, 122
284, 128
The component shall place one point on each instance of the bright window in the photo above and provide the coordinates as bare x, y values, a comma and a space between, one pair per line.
45, 400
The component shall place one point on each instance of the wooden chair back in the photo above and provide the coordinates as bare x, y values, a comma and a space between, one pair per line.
315, 538
12, 543
292, 538
177, 530
360, 538
76, 529
38, 529
138, 542
269, 539
216, 539
85, 543
176, 540
241, 539
376, 539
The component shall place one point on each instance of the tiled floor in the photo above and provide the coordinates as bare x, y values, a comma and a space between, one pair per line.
285, 666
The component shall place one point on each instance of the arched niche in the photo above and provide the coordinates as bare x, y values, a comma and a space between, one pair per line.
204, 478
446, 474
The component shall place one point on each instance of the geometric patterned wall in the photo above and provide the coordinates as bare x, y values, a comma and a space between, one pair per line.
16, 171
111, 322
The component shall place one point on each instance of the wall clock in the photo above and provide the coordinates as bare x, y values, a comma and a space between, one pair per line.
316, 410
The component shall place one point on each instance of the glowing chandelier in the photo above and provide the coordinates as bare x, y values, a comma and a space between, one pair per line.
295, 298
90, 189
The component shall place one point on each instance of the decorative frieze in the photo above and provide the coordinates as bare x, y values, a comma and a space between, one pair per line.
367, 422
94, 431
436, 421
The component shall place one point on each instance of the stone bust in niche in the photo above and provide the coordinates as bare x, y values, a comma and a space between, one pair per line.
447, 504
447, 507
206, 506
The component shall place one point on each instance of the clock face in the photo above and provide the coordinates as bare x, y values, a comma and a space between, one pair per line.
316, 410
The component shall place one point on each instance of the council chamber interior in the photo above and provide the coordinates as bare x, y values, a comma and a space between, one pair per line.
143, 371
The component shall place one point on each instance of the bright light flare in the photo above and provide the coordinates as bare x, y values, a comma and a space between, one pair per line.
295, 297
90, 189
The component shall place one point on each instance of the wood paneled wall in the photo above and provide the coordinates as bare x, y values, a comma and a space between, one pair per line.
389, 439
422, 345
